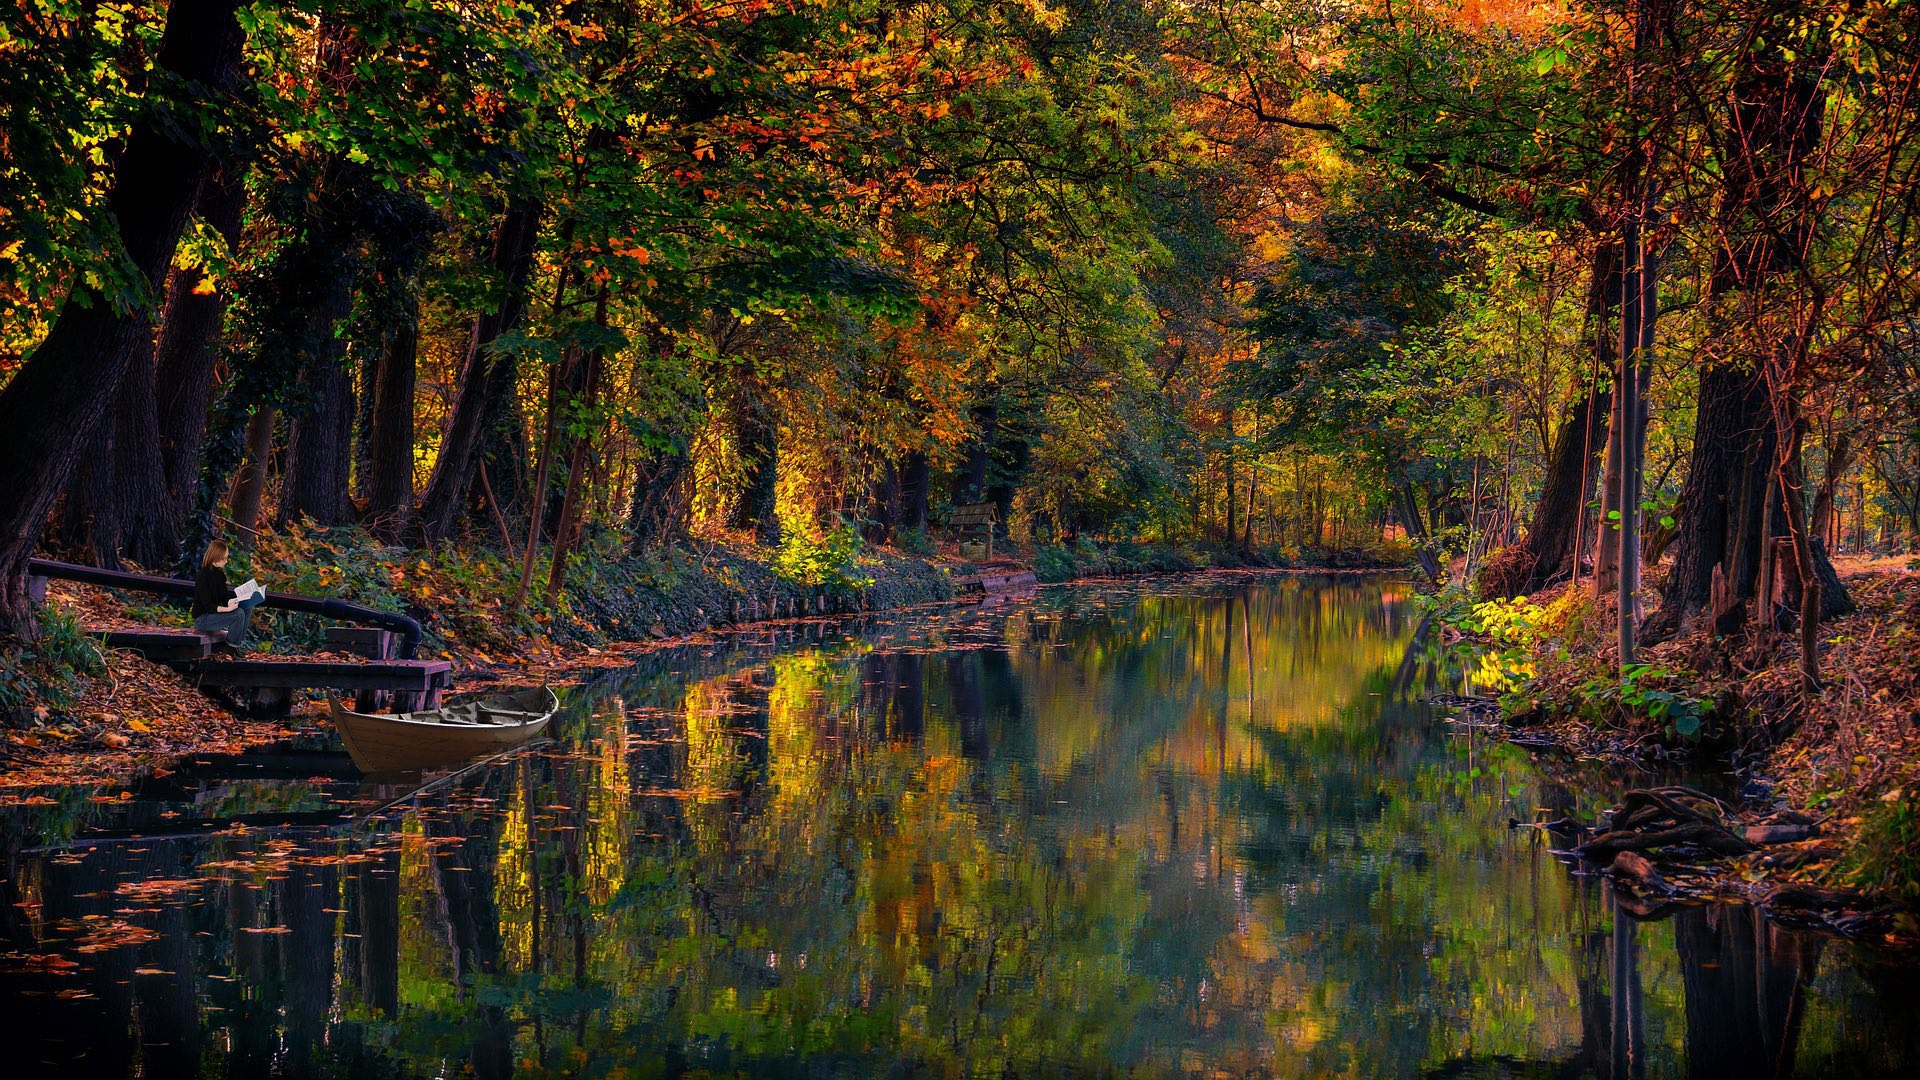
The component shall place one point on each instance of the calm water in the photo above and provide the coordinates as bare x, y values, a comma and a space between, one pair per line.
1187, 827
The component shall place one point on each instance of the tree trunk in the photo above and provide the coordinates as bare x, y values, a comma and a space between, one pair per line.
189, 353
390, 439
119, 482
1408, 510
49, 409
1640, 311
568, 525
1722, 501
556, 380
1233, 505
910, 518
1554, 541
250, 485
1839, 459
320, 439
485, 390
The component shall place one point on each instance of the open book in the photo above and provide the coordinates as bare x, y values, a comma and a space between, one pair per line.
247, 590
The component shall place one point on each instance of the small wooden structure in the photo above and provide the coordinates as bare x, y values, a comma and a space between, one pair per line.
413, 684
996, 580
163, 646
266, 683
979, 516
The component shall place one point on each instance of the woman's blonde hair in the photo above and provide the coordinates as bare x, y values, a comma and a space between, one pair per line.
215, 552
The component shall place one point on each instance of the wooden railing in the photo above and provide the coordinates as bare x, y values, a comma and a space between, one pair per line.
345, 611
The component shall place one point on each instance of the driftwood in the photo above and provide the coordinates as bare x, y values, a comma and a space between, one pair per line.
1651, 818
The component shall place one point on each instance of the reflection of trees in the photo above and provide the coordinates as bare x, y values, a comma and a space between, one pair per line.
1200, 828
1746, 983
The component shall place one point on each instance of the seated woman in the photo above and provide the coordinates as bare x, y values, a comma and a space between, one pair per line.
217, 610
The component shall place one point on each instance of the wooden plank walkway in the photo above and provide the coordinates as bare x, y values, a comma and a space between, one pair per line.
418, 676
163, 646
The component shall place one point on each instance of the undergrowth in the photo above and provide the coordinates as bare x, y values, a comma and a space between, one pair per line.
46, 676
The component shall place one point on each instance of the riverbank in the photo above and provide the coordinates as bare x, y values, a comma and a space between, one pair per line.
1055, 563
1826, 826
81, 714
78, 713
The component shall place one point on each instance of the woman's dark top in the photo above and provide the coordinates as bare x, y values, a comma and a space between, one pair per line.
210, 591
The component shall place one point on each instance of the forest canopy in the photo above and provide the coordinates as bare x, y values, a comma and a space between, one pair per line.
1562, 289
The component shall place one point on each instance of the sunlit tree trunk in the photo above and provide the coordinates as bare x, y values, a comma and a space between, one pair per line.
485, 390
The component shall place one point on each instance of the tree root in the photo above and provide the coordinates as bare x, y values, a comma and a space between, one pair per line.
1650, 818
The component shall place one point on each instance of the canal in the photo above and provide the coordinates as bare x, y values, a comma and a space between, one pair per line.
1199, 826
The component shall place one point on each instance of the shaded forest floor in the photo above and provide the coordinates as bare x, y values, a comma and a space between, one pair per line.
1845, 762
85, 714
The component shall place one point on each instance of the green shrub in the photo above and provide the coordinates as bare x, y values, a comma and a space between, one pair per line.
1886, 855
1640, 690
831, 560
46, 676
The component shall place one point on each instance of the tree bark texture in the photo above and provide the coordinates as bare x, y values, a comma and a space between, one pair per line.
390, 440
49, 410
485, 394
189, 354
319, 468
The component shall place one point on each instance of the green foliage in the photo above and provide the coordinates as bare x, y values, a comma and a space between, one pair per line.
1644, 690
1885, 856
46, 676
831, 559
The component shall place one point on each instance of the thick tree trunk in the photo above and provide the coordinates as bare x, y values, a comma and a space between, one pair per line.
119, 482
320, 440
916, 480
1722, 501
188, 354
1553, 540
1724, 509
250, 485
390, 440
49, 410
484, 398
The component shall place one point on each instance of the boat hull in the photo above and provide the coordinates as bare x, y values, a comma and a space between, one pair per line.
380, 744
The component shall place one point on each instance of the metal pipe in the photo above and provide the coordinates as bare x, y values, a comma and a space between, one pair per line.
407, 628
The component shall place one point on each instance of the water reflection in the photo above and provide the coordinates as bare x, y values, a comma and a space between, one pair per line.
1199, 827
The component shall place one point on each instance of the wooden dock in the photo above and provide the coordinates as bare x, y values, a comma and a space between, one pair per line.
994, 580
163, 646
409, 684
265, 682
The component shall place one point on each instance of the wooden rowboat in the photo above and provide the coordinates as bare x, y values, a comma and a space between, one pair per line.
394, 742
